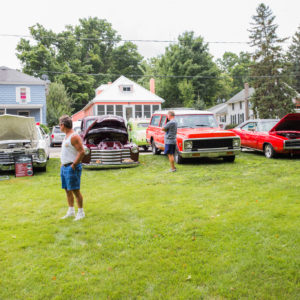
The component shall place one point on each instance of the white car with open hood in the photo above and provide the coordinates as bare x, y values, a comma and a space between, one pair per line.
21, 136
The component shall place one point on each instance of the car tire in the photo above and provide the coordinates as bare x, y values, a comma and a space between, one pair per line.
145, 148
269, 151
229, 158
155, 150
178, 159
42, 169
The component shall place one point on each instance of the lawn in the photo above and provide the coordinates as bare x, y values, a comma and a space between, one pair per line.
212, 230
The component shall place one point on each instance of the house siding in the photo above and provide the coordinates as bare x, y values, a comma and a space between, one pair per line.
37, 97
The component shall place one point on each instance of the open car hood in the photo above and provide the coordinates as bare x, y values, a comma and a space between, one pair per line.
290, 122
17, 128
106, 124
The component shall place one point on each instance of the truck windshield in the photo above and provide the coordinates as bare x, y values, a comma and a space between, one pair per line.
196, 121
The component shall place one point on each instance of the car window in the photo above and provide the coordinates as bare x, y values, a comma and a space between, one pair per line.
56, 130
249, 126
155, 120
89, 122
196, 121
266, 126
142, 125
162, 121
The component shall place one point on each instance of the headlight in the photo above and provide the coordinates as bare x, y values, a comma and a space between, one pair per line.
134, 149
188, 145
41, 154
86, 150
236, 143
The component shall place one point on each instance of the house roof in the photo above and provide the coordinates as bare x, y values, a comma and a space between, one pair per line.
240, 96
11, 76
113, 93
219, 108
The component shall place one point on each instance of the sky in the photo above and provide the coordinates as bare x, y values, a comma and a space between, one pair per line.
214, 20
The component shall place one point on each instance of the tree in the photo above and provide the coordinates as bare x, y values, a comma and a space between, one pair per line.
235, 71
294, 60
273, 95
187, 64
58, 103
92, 47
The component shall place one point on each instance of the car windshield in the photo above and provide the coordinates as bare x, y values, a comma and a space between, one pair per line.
56, 130
266, 126
196, 121
89, 122
142, 125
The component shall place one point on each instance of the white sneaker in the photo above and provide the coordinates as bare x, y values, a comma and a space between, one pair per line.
79, 216
69, 215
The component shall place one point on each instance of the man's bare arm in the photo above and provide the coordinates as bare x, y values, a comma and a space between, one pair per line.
77, 144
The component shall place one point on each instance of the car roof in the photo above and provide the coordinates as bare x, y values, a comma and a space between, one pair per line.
184, 112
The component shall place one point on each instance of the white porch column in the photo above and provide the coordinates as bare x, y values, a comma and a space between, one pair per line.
41, 115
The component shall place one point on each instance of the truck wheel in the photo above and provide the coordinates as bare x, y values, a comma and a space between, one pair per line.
269, 151
178, 159
145, 148
155, 150
229, 158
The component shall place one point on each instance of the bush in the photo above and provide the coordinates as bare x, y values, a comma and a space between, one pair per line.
230, 126
46, 129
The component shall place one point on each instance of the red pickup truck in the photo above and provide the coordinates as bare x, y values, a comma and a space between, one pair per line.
198, 135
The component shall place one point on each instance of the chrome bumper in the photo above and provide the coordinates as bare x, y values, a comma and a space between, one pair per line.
11, 166
210, 153
110, 165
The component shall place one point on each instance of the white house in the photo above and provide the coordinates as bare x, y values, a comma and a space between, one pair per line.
124, 98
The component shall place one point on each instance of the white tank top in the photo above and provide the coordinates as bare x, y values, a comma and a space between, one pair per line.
68, 151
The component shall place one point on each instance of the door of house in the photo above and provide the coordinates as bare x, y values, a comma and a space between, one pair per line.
129, 112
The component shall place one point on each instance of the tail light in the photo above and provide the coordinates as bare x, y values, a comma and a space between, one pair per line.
52, 136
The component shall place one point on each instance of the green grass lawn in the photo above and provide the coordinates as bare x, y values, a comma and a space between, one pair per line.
212, 230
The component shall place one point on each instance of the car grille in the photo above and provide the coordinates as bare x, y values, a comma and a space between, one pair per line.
211, 144
109, 157
8, 158
292, 144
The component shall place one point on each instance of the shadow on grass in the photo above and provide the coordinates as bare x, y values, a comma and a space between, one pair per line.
278, 156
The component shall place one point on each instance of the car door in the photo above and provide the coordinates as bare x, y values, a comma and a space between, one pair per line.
252, 136
161, 133
154, 129
245, 133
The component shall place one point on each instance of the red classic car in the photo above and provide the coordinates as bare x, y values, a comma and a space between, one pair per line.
106, 143
271, 136
198, 135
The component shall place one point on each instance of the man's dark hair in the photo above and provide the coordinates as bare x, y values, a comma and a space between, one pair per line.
171, 113
66, 121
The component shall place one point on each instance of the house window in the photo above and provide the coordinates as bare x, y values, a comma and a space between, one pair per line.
109, 109
232, 106
147, 111
138, 111
101, 110
22, 94
241, 105
126, 88
119, 110
24, 113
155, 108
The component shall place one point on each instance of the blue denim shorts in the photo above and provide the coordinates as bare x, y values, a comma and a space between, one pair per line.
70, 179
170, 148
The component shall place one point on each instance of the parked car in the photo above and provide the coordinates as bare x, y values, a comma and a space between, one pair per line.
198, 135
106, 143
22, 136
77, 126
271, 136
56, 137
137, 132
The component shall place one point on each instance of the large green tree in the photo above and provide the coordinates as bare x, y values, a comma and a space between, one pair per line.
58, 103
187, 73
69, 57
235, 71
294, 61
273, 95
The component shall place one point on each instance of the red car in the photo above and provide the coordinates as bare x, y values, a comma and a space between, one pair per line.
271, 136
106, 143
198, 135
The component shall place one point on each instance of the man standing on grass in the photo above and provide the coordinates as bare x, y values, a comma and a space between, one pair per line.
170, 138
72, 152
